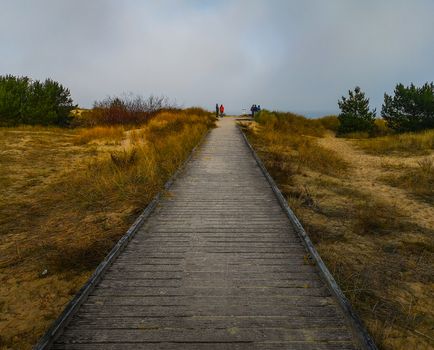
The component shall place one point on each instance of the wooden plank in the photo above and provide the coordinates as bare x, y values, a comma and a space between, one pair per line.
196, 322
205, 301
204, 335
106, 290
338, 345
211, 309
236, 269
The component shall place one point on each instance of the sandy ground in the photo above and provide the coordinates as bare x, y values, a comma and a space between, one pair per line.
368, 171
405, 280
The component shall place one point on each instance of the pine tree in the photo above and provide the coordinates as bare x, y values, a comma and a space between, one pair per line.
355, 115
410, 109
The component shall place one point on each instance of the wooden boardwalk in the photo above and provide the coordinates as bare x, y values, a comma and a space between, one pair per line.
217, 265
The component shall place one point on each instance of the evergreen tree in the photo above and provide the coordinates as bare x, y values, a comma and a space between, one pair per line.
355, 115
14, 93
23, 101
410, 109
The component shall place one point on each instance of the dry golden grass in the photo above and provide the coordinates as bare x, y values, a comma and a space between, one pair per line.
286, 147
401, 144
65, 202
418, 180
110, 133
375, 239
330, 122
292, 123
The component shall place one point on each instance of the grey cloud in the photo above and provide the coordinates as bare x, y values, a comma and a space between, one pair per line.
288, 55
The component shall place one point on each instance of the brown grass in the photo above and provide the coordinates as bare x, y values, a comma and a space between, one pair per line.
418, 180
289, 141
375, 239
65, 203
401, 144
111, 133
290, 122
330, 122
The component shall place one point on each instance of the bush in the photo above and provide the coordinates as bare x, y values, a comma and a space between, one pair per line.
355, 115
410, 109
126, 109
23, 101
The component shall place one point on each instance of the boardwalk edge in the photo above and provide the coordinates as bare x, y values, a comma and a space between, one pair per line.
364, 340
62, 321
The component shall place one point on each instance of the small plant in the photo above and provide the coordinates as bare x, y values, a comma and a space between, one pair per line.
355, 115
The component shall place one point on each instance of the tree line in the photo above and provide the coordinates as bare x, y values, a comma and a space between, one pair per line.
410, 108
27, 101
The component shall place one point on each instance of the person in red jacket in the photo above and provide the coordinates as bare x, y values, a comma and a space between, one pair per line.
222, 110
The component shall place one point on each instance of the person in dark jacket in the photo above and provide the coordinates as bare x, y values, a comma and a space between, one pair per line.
217, 110
253, 110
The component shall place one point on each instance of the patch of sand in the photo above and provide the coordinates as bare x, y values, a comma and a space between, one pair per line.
366, 174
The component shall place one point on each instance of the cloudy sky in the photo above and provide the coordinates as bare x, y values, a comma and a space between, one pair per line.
298, 55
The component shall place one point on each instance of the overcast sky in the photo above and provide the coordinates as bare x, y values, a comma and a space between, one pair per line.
298, 55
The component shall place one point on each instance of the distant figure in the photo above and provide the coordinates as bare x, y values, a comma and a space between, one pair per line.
217, 110
258, 109
222, 110
253, 110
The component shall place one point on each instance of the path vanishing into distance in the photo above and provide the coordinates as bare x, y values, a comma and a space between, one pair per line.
217, 265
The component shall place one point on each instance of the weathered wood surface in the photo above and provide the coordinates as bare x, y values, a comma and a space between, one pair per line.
217, 265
